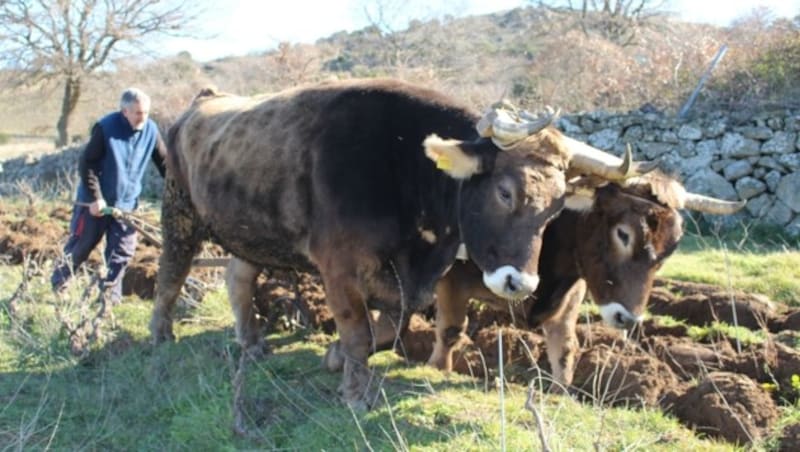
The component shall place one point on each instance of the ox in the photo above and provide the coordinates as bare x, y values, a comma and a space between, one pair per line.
612, 239
353, 179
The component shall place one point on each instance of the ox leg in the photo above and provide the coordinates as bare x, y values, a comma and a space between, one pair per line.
347, 302
383, 331
240, 278
451, 323
561, 339
182, 238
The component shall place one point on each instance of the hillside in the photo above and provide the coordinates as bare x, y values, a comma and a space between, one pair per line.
530, 55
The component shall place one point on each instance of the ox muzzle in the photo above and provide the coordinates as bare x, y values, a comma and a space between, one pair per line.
618, 316
509, 283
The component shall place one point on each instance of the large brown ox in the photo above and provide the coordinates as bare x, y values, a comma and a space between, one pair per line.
612, 239
353, 179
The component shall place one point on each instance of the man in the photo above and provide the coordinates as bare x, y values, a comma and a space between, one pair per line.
111, 169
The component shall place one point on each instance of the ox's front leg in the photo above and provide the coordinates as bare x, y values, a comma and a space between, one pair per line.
347, 302
560, 336
240, 277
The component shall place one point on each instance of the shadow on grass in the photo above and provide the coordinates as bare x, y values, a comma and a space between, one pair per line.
131, 394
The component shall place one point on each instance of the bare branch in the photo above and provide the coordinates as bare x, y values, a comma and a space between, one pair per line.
69, 39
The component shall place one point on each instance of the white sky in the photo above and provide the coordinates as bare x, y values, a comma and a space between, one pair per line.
238, 27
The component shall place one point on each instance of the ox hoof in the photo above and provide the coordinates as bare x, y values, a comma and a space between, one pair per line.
333, 360
357, 388
161, 331
258, 350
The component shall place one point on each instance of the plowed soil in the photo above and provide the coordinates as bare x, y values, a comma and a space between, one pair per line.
712, 383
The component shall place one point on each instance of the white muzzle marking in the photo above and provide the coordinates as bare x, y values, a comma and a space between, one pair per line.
616, 315
508, 282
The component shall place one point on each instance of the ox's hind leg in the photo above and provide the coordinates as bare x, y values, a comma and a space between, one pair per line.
240, 277
453, 291
182, 233
561, 338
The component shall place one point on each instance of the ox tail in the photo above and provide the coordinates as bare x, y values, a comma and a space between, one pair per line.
174, 164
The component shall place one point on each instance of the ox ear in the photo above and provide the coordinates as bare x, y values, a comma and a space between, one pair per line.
450, 157
582, 193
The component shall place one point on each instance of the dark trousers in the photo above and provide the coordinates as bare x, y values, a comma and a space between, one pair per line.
86, 230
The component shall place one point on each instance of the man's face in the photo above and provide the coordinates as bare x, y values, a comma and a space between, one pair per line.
136, 114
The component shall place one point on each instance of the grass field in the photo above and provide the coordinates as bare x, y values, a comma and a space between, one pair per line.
128, 395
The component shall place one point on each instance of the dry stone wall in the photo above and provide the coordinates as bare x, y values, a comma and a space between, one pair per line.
725, 155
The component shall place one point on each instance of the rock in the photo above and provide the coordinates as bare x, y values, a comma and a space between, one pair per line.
716, 127
737, 170
686, 149
569, 127
689, 166
690, 132
653, 150
758, 206
718, 165
735, 145
770, 162
633, 134
792, 123
772, 179
793, 228
778, 214
759, 173
710, 147
748, 187
604, 139
789, 191
791, 161
756, 133
706, 182
780, 143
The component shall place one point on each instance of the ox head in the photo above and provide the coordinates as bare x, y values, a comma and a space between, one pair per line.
512, 185
624, 236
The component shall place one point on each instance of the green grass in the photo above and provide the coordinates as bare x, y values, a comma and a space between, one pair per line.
127, 394
769, 269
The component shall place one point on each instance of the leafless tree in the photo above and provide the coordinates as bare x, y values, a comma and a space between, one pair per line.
67, 40
619, 21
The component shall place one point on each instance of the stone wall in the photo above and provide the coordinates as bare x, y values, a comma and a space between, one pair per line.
725, 155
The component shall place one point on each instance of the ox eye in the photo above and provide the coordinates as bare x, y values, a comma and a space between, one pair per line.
505, 196
623, 236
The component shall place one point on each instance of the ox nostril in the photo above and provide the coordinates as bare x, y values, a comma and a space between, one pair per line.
620, 319
512, 285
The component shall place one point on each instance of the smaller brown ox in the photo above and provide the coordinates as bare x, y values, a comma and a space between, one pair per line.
613, 241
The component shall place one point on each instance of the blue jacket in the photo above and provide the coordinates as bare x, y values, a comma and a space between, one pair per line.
118, 156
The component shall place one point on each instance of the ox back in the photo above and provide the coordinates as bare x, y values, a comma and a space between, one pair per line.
259, 170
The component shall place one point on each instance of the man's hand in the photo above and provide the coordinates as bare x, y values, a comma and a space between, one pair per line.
96, 208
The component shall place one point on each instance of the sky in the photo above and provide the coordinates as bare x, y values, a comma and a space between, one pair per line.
239, 27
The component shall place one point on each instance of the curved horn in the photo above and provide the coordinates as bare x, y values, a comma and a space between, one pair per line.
594, 161
706, 204
506, 125
507, 129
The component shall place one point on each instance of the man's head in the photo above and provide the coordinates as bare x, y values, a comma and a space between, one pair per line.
135, 106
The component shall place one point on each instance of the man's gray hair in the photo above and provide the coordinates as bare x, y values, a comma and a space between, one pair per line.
131, 96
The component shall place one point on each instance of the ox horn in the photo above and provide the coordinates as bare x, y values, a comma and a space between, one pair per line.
700, 203
594, 161
506, 125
